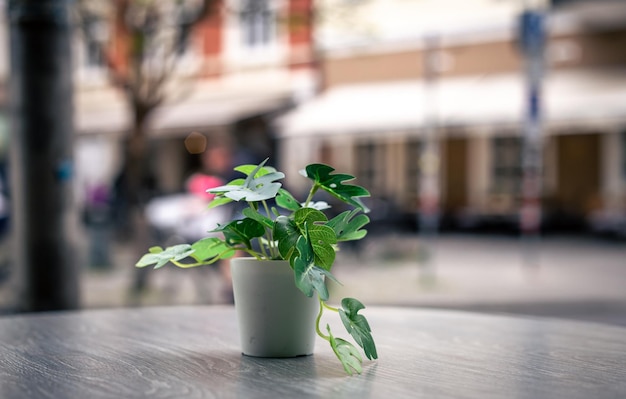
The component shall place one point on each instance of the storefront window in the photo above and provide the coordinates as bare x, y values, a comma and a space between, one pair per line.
624, 155
507, 165
413, 156
371, 166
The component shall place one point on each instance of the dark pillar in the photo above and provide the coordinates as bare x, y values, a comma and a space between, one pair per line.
41, 155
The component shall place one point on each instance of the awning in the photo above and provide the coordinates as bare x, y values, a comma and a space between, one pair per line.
110, 115
170, 120
570, 98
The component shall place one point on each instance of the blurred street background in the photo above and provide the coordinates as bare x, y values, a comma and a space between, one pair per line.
490, 133
575, 277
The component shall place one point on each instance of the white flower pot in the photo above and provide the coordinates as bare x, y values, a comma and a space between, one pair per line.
275, 318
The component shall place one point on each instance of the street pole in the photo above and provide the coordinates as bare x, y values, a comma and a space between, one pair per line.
429, 164
532, 42
41, 156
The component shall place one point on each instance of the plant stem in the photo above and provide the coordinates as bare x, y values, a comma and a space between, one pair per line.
263, 249
214, 259
270, 238
336, 310
311, 194
317, 321
196, 264
261, 246
267, 209
253, 253
188, 265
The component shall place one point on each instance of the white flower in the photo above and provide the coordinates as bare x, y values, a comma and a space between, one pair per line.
319, 205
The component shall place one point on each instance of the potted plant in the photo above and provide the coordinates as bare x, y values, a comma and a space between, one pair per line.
291, 248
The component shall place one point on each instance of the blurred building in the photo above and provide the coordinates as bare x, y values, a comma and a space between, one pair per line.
245, 61
396, 69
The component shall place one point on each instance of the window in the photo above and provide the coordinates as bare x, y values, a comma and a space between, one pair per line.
257, 23
624, 155
253, 32
372, 166
97, 34
182, 35
507, 165
366, 164
185, 15
413, 156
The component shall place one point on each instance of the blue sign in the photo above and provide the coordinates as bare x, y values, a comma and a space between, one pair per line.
532, 35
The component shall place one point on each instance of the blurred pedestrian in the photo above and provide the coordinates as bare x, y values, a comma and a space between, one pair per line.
97, 220
185, 217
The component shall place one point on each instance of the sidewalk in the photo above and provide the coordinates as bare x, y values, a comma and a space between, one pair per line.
580, 278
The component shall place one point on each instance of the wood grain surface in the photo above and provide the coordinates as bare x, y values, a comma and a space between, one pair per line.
193, 352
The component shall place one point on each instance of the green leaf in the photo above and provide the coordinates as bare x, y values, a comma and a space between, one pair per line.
219, 196
358, 326
210, 249
309, 278
347, 353
285, 200
248, 169
252, 214
333, 184
241, 231
275, 212
160, 259
217, 201
308, 215
234, 182
321, 237
155, 250
346, 225
256, 187
286, 233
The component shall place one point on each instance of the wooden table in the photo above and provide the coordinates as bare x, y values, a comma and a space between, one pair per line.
193, 352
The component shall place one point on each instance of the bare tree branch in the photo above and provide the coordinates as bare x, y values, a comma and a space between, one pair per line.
151, 33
